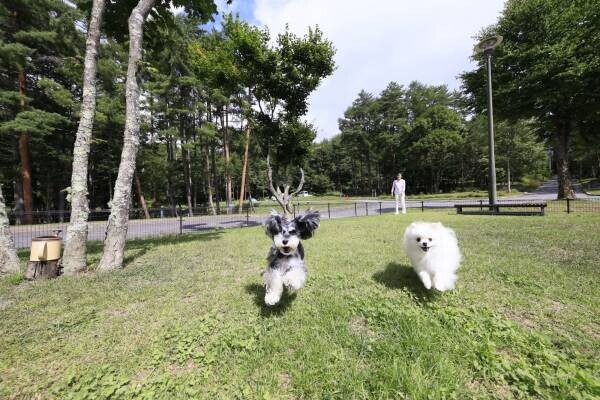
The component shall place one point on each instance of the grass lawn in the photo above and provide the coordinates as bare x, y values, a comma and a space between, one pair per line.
185, 318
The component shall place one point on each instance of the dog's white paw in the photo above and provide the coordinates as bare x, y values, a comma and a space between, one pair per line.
444, 282
426, 279
272, 298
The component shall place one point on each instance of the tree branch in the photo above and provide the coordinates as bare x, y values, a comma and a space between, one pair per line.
301, 183
277, 193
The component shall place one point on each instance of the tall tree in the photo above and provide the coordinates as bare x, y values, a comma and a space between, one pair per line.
114, 244
9, 262
548, 68
278, 79
359, 128
75, 255
116, 233
36, 43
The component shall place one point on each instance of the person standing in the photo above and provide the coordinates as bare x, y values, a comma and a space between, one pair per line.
398, 189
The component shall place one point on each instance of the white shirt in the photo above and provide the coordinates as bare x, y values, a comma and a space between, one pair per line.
398, 186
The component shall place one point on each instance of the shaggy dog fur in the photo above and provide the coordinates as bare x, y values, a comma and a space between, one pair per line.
286, 266
434, 254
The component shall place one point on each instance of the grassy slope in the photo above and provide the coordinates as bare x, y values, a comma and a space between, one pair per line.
185, 318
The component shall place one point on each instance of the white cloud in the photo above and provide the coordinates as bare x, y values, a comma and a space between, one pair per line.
382, 41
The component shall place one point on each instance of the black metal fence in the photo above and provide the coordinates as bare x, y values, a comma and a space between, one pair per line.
168, 221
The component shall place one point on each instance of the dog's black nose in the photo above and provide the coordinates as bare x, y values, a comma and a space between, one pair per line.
284, 241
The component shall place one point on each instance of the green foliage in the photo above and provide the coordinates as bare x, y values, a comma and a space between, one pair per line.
546, 68
35, 122
547, 65
41, 50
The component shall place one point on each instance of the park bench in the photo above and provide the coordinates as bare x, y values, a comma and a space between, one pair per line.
530, 208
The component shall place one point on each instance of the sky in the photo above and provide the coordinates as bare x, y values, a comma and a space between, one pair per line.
377, 42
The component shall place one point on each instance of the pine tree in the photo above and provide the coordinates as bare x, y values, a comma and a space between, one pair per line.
39, 48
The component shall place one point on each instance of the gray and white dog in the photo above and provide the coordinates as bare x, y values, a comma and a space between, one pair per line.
286, 267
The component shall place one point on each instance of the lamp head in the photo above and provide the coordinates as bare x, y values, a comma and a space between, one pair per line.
488, 44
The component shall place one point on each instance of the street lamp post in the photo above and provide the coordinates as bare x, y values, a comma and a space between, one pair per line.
486, 47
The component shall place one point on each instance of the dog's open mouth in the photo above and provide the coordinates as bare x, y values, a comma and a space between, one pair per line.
286, 249
425, 248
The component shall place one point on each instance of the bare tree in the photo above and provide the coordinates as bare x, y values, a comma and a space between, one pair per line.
142, 199
245, 166
284, 198
114, 244
9, 262
224, 116
75, 255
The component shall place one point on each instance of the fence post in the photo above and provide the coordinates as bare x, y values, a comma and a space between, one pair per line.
328, 211
247, 216
480, 205
355, 213
422, 206
180, 221
366, 209
568, 206
379, 208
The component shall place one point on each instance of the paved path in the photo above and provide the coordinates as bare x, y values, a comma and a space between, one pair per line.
140, 228
548, 191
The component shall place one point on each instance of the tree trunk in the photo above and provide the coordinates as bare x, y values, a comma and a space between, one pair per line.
170, 186
508, 174
565, 188
75, 256
209, 187
114, 244
18, 199
187, 173
9, 262
216, 177
110, 190
225, 126
24, 156
26, 178
138, 186
61, 206
171, 197
244, 167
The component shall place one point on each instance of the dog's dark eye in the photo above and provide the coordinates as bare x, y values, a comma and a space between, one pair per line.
418, 239
292, 232
430, 239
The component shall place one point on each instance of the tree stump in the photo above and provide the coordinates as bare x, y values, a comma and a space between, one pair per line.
43, 269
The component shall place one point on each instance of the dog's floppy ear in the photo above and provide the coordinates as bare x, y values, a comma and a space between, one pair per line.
307, 224
273, 224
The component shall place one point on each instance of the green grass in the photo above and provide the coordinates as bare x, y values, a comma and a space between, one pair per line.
466, 194
449, 195
185, 318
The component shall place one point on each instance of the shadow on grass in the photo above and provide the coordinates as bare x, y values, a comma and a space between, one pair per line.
138, 247
398, 276
258, 291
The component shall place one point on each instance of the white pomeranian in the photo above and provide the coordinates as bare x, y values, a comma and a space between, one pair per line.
434, 254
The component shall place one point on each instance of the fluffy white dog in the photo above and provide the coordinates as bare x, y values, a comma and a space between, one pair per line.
434, 254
